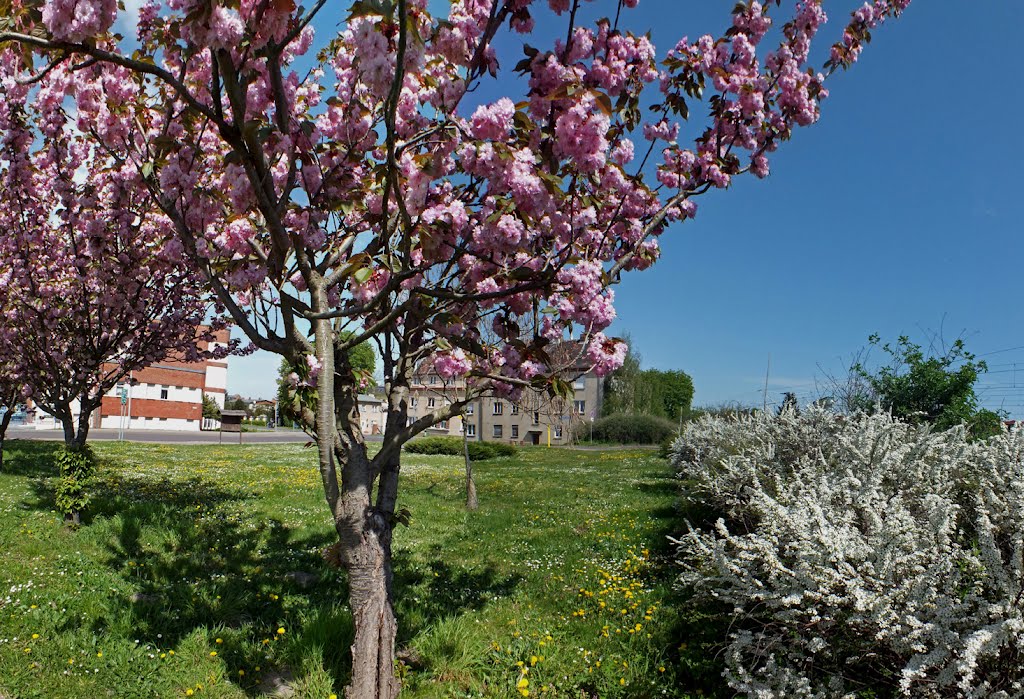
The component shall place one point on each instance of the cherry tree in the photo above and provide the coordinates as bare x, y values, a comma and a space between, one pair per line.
93, 283
372, 196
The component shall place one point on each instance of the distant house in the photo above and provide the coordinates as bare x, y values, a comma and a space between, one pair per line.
372, 414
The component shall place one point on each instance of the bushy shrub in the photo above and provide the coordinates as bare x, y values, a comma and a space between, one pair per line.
859, 554
478, 451
76, 465
633, 429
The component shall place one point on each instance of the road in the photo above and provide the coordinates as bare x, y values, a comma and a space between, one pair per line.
169, 436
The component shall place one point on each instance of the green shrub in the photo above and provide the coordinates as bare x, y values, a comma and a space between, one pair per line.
478, 451
633, 429
665, 446
76, 466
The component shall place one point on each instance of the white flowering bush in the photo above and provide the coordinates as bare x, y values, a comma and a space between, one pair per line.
860, 556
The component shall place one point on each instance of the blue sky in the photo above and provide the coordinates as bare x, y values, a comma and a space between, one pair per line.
896, 213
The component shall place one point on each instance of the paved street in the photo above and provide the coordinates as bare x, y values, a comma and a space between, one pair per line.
168, 436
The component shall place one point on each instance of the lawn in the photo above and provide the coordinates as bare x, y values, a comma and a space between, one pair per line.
198, 572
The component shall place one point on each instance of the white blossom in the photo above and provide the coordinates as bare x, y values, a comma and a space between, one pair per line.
859, 553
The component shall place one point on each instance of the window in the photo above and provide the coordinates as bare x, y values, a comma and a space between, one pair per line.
579, 384
579, 406
430, 402
164, 393
413, 402
558, 433
497, 432
471, 430
433, 380
515, 409
515, 431
499, 407
469, 409
443, 425
536, 417
411, 420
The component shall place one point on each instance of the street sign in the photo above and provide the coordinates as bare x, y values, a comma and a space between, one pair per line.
124, 395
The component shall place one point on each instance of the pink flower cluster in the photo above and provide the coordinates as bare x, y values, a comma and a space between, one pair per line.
76, 20
484, 231
452, 364
607, 354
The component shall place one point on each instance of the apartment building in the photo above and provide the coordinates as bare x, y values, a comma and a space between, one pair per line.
535, 418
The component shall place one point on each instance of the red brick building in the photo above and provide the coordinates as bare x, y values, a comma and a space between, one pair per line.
167, 395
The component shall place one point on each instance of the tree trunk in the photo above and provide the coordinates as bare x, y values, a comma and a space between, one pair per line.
5, 421
364, 535
75, 439
471, 500
370, 594
68, 424
364, 532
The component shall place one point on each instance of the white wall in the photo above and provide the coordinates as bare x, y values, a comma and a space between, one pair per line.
114, 422
216, 377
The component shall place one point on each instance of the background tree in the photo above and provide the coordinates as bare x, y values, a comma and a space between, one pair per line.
93, 285
631, 390
621, 384
936, 387
374, 202
210, 408
850, 392
295, 390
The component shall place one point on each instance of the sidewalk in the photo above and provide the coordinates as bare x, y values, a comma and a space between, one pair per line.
280, 436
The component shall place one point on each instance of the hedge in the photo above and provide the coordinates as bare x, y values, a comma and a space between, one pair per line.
633, 429
478, 451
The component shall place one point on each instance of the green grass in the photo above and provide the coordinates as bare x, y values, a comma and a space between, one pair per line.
178, 580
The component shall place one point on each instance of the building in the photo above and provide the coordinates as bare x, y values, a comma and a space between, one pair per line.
535, 418
372, 414
167, 395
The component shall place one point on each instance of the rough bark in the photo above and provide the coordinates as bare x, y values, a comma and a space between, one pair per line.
472, 502
365, 535
363, 527
373, 648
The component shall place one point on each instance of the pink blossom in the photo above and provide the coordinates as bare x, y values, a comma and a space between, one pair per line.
451, 364
606, 354
76, 20
493, 122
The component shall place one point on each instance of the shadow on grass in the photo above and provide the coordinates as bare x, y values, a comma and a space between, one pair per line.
197, 556
30, 458
696, 637
439, 590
